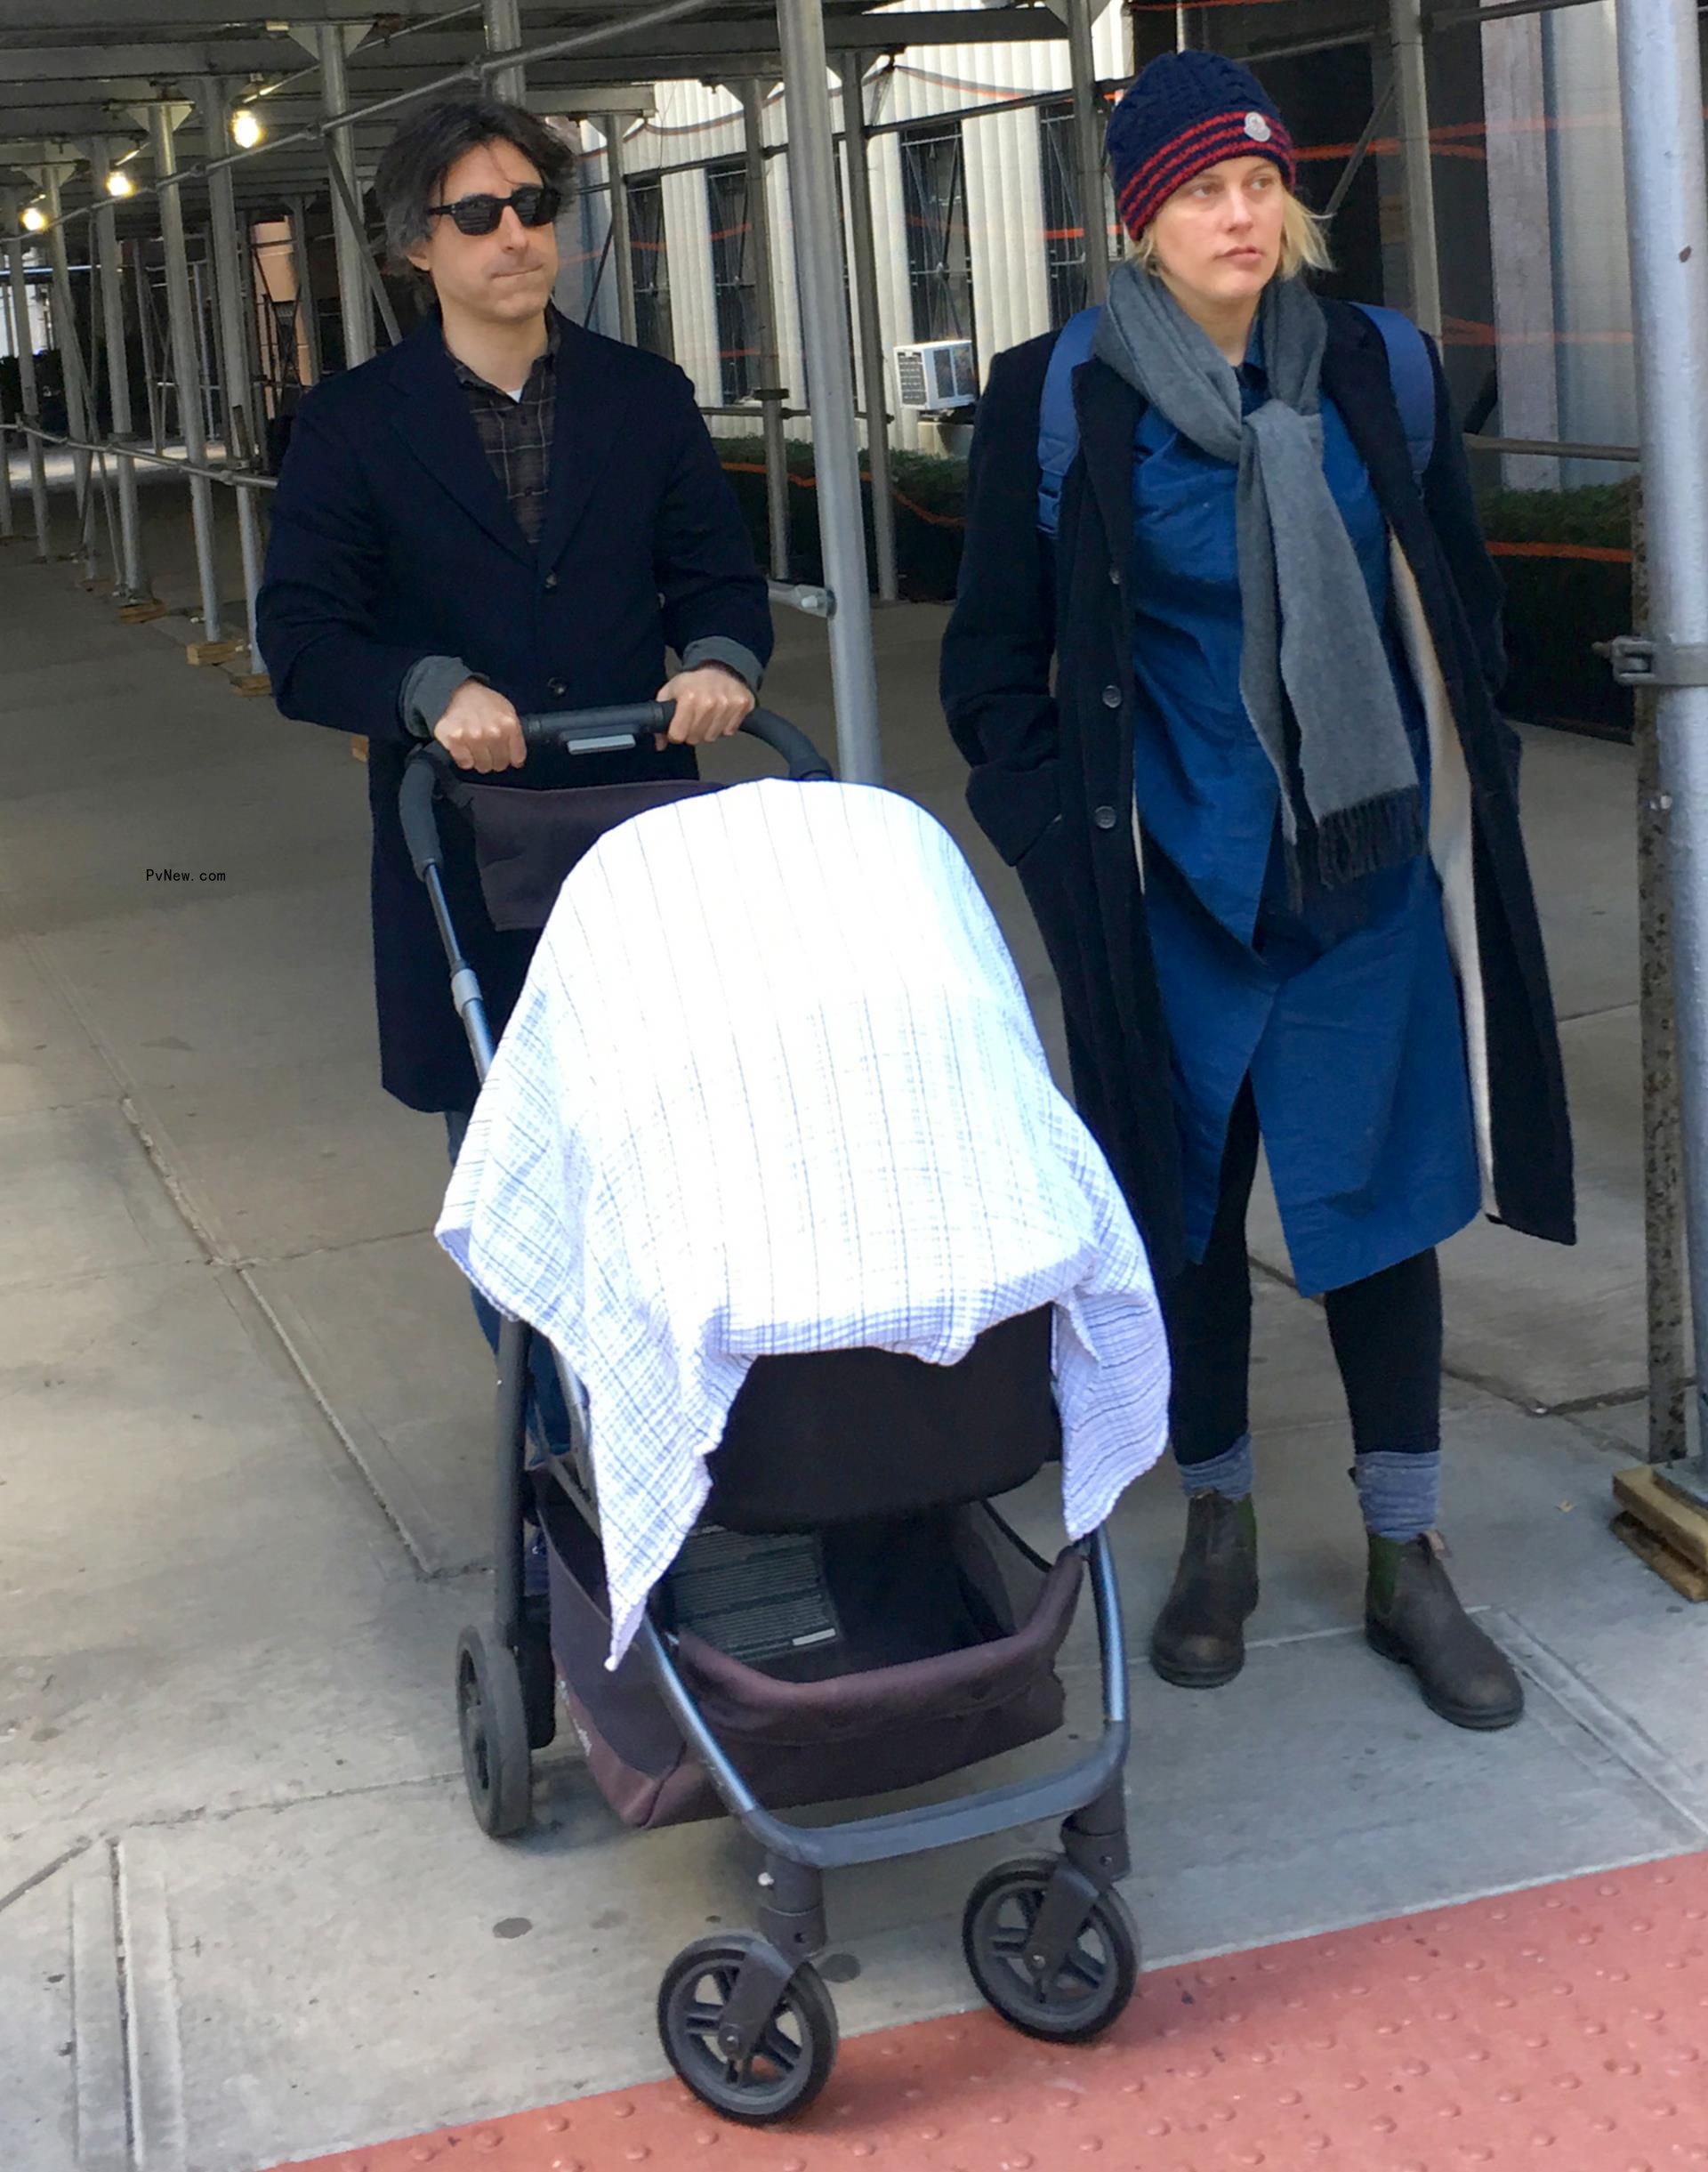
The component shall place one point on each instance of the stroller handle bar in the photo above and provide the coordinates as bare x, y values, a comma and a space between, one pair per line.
585, 731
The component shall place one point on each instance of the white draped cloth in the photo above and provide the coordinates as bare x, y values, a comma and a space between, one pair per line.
772, 1086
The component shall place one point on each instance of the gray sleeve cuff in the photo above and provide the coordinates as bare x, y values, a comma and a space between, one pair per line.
714, 648
427, 689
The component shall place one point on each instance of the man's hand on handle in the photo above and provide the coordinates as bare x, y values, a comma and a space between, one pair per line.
480, 730
711, 703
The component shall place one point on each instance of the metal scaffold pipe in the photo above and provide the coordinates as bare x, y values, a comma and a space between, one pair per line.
349, 243
1411, 94
28, 389
1666, 196
186, 358
503, 20
1088, 148
243, 433
79, 407
874, 363
824, 342
621, 238
769, 389
110, 270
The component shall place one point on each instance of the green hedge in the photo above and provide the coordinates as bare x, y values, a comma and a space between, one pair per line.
1556, 608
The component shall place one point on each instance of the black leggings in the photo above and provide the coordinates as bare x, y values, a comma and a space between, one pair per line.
1386, 1331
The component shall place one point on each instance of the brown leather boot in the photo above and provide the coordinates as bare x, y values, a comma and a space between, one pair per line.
1199, 1639
1412, 1615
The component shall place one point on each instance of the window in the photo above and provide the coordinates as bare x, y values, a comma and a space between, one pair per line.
1064, 230
732, 279
940, 262
648, 264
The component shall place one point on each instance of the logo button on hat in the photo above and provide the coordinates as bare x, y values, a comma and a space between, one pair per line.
1257, 128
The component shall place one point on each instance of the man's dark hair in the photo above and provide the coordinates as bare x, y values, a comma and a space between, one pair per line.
429, 143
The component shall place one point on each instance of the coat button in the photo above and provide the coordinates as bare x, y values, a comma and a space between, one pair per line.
1106, 818
1111, 697
550, 580
1114, 577
556, 688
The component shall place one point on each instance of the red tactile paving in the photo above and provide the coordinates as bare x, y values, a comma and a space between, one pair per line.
1564, 2029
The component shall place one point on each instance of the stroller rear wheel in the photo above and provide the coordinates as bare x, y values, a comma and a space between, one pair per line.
1093, 1984
791, 2060
492, 1723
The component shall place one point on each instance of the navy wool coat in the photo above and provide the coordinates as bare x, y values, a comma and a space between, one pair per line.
392, 540
1038, 685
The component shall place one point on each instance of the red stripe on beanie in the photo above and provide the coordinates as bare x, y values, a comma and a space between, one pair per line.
1192, 152
1177, 163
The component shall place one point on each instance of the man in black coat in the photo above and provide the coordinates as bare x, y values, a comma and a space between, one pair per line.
504, 514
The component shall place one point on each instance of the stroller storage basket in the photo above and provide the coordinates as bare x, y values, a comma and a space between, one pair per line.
861, 1732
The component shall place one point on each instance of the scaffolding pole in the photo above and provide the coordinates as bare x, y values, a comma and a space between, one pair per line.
307, 318
875, 372
1089, 126
503, 20
1666, 196
243, 434
29, 390
79, 407
1412, 93
622, 240
825, 342
769, 391
349, 241
145, 332
132, 580
186, 359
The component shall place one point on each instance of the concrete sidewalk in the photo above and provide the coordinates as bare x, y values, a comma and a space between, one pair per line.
245, 1915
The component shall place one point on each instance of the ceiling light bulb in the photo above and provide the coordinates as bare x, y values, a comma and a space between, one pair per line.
245, 129
34, 219
120, 183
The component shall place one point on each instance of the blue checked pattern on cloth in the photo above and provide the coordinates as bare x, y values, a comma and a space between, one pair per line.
772, 1086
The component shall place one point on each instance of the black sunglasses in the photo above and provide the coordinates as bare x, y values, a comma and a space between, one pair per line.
535, 204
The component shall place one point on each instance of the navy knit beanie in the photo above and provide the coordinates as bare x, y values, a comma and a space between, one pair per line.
1189, 112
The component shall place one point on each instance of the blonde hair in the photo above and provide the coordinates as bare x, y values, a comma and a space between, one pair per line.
1304, 242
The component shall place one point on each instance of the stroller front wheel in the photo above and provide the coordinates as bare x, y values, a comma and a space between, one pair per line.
1091, 1986
492, 1724
787, 2067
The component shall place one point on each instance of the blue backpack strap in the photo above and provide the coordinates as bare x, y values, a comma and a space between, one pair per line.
1413, 381
1058, 424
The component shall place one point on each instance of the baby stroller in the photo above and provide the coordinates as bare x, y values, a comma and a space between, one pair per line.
851, 1615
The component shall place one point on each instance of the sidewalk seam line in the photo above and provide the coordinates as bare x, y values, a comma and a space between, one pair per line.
1626, 1742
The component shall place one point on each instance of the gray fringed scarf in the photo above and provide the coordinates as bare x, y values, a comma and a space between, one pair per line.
1312, 648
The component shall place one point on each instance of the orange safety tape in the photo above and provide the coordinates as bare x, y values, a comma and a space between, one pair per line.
811, 482
1590, 553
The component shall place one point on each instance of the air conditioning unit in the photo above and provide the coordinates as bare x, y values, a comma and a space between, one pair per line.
939, 373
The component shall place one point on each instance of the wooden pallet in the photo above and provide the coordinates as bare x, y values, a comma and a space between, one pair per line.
1669, 1534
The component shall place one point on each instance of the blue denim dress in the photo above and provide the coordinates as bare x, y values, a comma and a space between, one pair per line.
1345, 1014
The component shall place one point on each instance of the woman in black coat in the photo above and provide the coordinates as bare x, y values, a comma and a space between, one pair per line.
1233, 723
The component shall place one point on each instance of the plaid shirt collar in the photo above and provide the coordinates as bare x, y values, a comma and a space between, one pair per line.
516, 434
